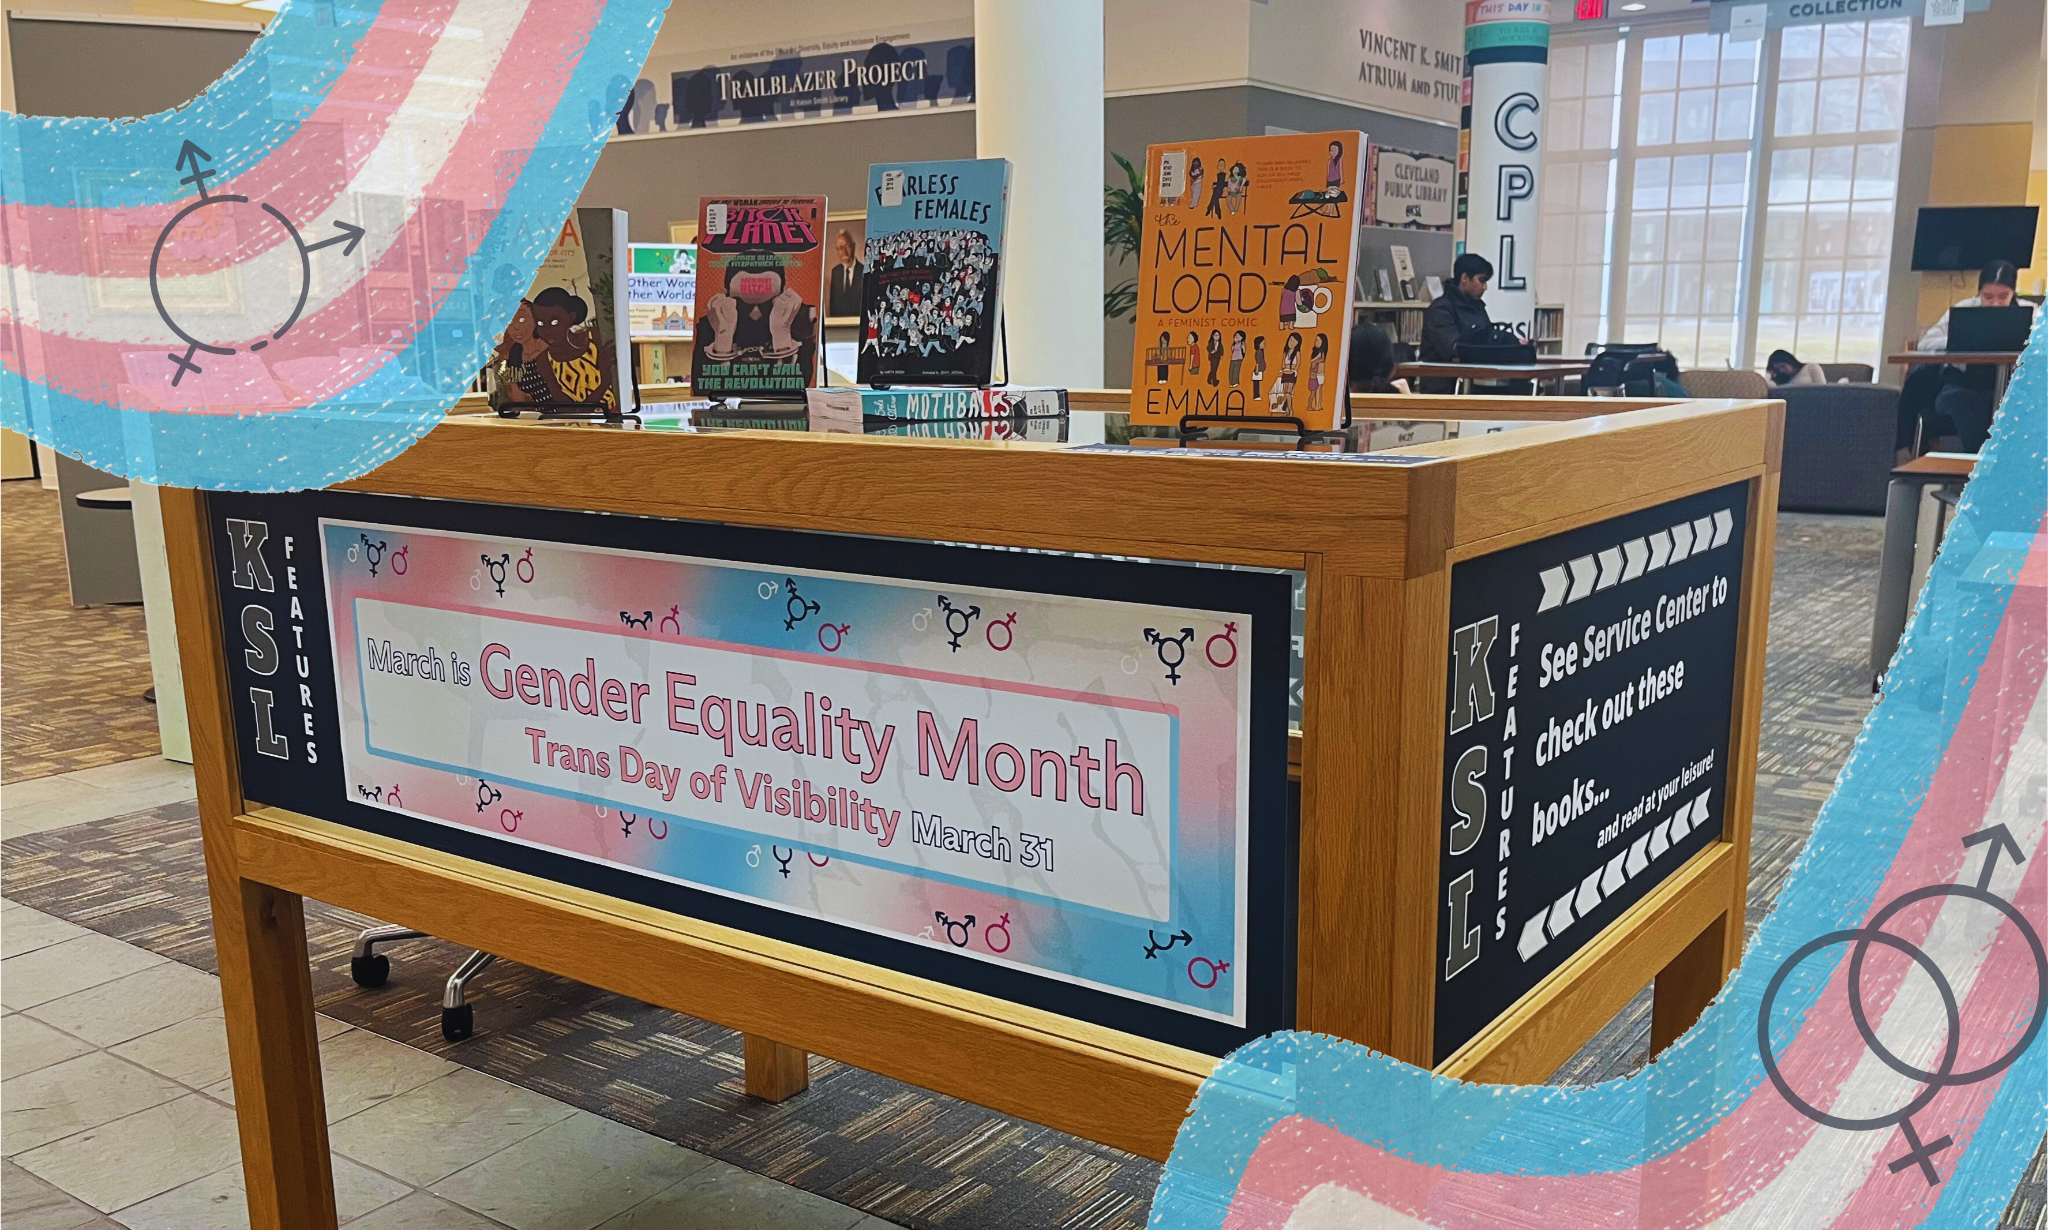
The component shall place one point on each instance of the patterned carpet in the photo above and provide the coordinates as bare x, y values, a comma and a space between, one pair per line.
73, 677
893, 1150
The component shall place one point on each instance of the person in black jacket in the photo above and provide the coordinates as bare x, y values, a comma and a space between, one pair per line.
1456, 314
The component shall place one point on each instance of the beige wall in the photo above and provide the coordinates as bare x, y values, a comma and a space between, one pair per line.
1315, 47
1975, 140
709, 25
1157, 45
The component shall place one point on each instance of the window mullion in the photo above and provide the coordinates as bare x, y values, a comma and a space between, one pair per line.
1750, 273
1624, 190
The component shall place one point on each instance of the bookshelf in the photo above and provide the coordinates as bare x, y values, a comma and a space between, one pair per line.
1402, 321
1548, 328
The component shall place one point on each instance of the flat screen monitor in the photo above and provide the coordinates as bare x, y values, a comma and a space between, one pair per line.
1971, 237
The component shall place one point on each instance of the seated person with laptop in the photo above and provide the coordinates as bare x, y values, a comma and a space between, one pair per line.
1988, 321
1456, 315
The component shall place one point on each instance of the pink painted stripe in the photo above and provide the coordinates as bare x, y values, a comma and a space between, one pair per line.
817, 659
331, 349
1714, 1174
1997, 1010
381, 71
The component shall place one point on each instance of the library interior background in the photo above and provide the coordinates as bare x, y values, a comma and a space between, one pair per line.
1023, 613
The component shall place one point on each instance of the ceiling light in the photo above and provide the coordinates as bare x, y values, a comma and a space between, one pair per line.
1633, 8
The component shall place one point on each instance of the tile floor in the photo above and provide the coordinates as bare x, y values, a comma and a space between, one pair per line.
116, 1108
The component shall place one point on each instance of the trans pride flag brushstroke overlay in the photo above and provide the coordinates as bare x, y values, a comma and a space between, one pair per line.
1132, 882
1307, 1131
289, 280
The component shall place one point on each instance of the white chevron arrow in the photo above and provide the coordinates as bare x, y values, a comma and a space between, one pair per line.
1582, 578
1660, 549
1702, 534
1589, 893
1614, 877
1533, 940
1560, 915
1610, 568
1660, 839
1724, 522
1637, 860
1638, 553
1554, 582
1681, 541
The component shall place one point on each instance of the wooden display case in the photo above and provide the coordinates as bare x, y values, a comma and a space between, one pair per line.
1389, 550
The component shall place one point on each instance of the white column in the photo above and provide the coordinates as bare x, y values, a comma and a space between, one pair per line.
1038, 102
1507, 44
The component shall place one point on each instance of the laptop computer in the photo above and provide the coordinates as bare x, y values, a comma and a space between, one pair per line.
1984, 330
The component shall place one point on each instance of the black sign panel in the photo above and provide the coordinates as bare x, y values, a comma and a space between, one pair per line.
282, 675
1591, 682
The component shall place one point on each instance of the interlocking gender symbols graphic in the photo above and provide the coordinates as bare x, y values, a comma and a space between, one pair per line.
1918, 1153
189, 158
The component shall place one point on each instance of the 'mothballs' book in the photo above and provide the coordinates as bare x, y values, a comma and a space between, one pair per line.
931, 301
760, 287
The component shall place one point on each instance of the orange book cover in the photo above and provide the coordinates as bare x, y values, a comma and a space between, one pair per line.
1245, 278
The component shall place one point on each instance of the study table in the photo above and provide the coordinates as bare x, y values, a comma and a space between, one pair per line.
2003, 360
1912, 531
1541, 371
503, 690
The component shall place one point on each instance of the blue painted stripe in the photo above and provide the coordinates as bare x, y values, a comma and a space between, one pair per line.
338, 439
255, 107
1714, 1067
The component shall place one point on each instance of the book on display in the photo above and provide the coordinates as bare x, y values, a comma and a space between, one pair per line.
1246, 278
931, 297
1037, 430
943, 404
563, 350
760, 291
661, 290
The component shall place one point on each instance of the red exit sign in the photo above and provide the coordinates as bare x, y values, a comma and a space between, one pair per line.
1590, 10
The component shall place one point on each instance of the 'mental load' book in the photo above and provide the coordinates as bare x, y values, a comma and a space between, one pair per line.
760, 291
931, 301
1245, 278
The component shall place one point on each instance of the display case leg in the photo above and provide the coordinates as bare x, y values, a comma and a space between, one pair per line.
775, 1072
267, 997
1686, 986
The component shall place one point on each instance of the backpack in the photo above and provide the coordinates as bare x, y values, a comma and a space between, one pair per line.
1638, 370
1497, 345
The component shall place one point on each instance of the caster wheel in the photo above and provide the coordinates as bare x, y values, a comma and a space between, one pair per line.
458, 1023
370, 971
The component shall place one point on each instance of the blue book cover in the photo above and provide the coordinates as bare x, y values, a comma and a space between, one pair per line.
931, 300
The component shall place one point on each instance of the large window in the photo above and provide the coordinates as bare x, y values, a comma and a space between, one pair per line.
1689, 195
1834, 172
1575, 253
1660, 141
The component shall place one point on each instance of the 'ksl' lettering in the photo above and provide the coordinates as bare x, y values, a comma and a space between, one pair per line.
246, 565
261, 655
1471, 684
268, 741
1464, 941
1468, 799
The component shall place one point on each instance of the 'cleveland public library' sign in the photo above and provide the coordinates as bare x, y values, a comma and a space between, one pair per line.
908, 68
1591, 683
1061, 781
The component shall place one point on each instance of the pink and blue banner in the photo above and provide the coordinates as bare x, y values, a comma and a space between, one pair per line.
1049, 783
1875, 1059
289, 280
